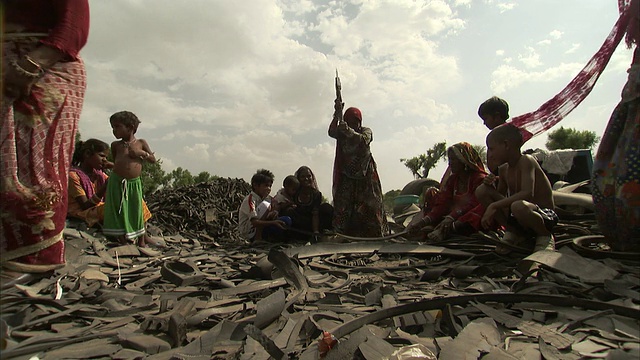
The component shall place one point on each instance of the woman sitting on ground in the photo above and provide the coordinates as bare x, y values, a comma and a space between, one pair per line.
455, 208
310, 214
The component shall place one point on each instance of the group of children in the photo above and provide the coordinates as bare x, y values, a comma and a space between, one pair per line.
520, 198
115, 200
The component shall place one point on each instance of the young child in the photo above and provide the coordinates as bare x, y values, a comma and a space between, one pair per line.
284, 198
255, 214
123, 214
523, 201
493, 112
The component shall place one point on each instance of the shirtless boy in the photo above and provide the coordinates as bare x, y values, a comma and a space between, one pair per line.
523, 200
123, 206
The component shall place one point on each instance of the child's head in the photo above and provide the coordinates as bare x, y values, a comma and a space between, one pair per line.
92, 152
126, 119
291, 185
503, 142
261, 182
494, 111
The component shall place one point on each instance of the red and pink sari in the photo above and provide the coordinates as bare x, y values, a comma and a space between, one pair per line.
37, 136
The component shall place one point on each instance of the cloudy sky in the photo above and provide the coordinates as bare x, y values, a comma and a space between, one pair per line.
232, 86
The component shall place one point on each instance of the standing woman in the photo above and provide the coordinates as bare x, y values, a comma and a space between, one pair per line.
616, 178
43, 85
357, 193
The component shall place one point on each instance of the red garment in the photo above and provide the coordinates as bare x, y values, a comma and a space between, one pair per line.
66, 22
456, 205
554, 110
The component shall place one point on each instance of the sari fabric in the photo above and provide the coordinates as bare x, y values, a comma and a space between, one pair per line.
37, 134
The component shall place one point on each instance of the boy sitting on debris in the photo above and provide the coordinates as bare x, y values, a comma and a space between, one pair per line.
256, 218
523, 200
284, 198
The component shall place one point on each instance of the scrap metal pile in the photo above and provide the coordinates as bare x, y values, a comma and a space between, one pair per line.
224, 299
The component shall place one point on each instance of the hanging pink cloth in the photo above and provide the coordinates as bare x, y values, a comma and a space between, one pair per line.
554, 110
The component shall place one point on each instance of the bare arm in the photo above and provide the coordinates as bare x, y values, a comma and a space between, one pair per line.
149, 156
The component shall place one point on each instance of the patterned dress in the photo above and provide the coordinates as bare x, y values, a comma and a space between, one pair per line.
357, 192
616, 181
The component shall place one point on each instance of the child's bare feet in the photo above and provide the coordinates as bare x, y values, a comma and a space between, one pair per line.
142, 240
510, 238
122, 240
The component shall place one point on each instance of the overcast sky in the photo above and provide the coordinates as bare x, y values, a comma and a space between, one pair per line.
229, 86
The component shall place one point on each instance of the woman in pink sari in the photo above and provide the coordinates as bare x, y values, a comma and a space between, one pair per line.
43, 85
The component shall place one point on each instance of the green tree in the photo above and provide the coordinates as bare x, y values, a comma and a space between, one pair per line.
423, 163
180, 177
203, 176
571, 139
153, 177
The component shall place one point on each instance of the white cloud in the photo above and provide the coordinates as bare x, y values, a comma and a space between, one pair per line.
556, 34
507, 77
229, 87
531, 59
572, 49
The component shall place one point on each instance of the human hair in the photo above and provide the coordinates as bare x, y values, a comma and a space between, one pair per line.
262, 176
90, 147
506, 132
290, 180
126, 118
494, 105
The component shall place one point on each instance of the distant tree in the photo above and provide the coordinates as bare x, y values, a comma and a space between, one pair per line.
422, 164
204, 176
388, 198
571, 139
180, 177
153, 177
482, 151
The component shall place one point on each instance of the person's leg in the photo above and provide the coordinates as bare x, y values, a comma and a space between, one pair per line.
529, 217
487, 195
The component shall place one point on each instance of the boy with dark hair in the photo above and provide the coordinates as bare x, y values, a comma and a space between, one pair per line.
523, 201
494, 112
255, 214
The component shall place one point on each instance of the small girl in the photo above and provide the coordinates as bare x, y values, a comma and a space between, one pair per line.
284, 198
87, 181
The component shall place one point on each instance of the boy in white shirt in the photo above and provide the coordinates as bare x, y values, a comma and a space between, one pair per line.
255, 213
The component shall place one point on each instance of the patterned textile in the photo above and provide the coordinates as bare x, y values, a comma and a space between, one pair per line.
357, 192
89, 187
463, 206
36, 145
555, 109
464, 152
616, 181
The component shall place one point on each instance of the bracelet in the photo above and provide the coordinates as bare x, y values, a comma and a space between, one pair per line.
24, 72
453, 226
34, 63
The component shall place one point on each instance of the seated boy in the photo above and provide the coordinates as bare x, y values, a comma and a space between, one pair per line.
255, 214
284, 198
523, 200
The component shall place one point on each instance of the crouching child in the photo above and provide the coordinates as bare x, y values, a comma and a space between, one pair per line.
256, 219
523, 199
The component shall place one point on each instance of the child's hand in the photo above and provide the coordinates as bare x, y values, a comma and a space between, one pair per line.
280, 224
489, 179
487, 218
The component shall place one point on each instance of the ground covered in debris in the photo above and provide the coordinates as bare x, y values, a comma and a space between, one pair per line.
209, 295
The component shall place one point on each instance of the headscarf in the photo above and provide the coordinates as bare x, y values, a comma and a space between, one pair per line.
353, 113
464, 152
314, 183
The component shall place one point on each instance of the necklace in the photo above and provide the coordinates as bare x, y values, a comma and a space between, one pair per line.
127, 144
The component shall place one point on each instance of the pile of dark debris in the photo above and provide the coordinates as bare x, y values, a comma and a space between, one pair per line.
209, 295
